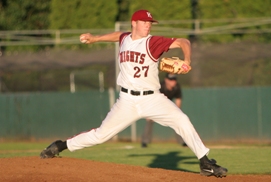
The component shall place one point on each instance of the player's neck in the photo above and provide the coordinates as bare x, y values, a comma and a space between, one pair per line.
136, 36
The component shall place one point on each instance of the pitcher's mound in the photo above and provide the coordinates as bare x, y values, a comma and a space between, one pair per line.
27, 169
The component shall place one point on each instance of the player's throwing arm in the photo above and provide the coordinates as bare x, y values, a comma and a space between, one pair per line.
88, 38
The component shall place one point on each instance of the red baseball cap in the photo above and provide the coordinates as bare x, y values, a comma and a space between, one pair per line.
143, 15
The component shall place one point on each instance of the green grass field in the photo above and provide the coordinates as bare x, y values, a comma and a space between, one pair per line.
239, 159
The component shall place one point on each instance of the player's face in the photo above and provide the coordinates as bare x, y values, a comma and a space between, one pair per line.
142, 28
170, 83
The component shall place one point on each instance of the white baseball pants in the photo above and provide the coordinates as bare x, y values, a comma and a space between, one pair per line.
129, 109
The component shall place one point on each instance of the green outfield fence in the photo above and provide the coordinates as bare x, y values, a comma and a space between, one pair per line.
217, 114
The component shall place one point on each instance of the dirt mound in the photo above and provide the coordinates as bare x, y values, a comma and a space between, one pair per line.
27, 169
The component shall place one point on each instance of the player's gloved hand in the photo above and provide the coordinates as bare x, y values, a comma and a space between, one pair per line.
174, 65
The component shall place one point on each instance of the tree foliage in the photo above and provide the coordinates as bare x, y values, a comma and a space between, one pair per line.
123, 10
25, 14
86, 14
231, 9
234, 9
164, 9
83, 14
3, 4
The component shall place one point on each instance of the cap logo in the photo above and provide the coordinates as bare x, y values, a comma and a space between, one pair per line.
149, 14
143, 15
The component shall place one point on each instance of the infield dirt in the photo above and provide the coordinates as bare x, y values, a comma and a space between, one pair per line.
29, 169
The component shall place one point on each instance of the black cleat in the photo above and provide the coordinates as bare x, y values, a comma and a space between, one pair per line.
210, 168
51, 151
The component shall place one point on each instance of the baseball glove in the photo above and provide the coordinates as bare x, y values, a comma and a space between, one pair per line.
174, 65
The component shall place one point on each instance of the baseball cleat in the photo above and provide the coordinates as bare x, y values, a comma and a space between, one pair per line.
210, 168
51, 151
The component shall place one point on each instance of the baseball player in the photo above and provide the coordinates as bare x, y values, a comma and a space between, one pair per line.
139, 96
171, 88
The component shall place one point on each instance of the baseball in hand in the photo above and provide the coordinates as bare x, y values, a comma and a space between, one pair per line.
83, 39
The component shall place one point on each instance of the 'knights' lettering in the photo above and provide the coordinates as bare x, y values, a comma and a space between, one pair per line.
132, 56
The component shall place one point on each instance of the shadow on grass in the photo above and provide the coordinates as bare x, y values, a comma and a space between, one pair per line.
169, 161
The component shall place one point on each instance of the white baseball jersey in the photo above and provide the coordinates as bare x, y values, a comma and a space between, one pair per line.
138, 67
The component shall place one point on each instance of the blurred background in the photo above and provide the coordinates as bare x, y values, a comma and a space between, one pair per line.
51, 85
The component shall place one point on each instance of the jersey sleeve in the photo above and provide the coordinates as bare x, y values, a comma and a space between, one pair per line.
122, 36
158, 45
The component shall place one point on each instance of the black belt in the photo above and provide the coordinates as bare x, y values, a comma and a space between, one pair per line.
132, 92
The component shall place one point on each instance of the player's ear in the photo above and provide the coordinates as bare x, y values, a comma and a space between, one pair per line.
133, 24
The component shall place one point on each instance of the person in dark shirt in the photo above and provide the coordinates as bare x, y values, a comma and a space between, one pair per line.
172, 90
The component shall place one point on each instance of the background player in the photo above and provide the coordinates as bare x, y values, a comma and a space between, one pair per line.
140, 97
172, 89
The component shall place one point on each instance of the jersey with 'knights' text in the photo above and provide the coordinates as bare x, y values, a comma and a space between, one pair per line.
138, 61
